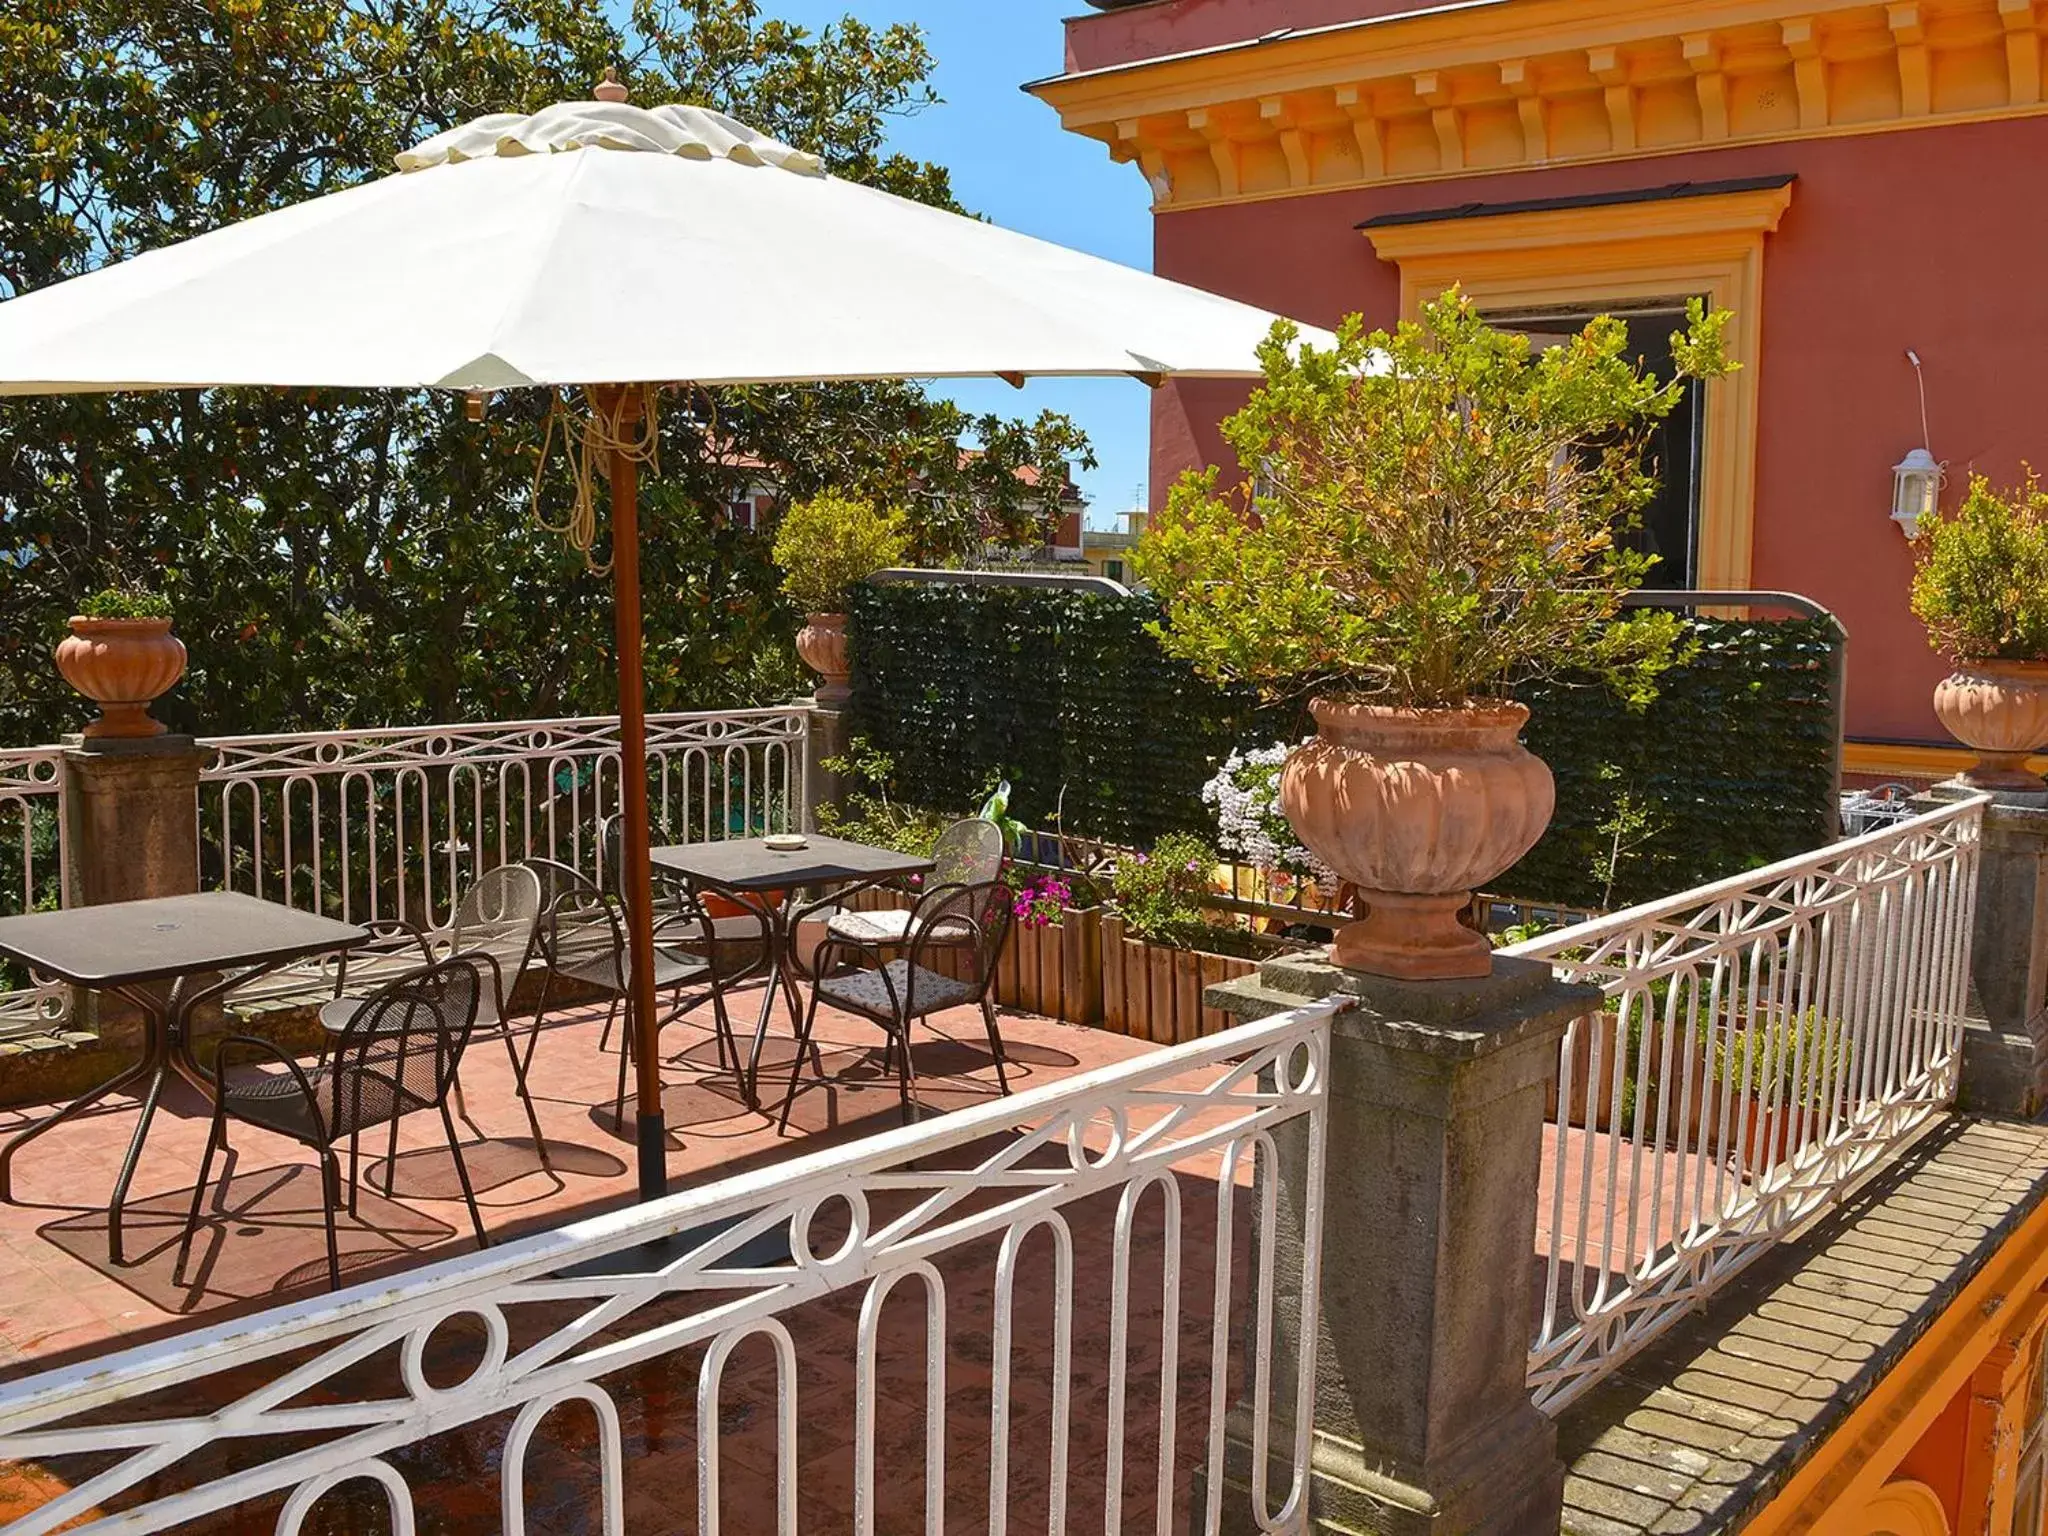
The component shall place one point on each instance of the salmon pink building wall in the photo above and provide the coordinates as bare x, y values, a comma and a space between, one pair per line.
1930, 238
1152, 31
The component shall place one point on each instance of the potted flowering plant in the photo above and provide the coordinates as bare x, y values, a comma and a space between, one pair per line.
1980, 585
1438, 517
1159, 894
122, 655
1252, 828
826, 546
1038, 900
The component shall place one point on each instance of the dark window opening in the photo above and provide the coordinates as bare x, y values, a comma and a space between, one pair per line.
1669, 526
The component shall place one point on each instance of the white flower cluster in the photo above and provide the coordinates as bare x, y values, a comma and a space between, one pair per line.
1250, 826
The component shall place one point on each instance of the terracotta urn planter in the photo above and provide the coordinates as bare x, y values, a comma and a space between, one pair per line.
124, 666
1999, 708
1417, 808
822, 645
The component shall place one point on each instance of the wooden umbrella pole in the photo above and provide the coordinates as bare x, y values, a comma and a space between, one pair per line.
621, 409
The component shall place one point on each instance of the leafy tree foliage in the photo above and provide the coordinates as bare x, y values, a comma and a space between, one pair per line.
344, 558
1436, 516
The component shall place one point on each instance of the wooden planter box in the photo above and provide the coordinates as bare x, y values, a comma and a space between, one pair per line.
1155, 992
1085, 969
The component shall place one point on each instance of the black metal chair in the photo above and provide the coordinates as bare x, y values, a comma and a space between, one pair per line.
581, 941
959, 927
398, 1054
497, 916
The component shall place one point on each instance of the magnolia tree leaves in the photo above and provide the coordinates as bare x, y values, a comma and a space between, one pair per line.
341, 558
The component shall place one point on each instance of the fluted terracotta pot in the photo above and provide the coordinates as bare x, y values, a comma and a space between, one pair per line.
1417, 808
1999, 708
822, 645
124, 666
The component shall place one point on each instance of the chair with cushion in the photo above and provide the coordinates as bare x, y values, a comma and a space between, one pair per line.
967, 853
397, 1054
958, 927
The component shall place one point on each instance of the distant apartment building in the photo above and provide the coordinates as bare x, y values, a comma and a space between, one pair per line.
1108, 551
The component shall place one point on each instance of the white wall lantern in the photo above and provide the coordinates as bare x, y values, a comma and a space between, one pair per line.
1916, 488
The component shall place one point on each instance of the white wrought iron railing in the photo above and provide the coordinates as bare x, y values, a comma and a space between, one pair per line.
32, 875
389, 823
264, 1416
397, 823
1765, 1041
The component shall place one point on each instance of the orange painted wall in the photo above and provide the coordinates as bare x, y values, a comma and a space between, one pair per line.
1930, 238
1937, 1460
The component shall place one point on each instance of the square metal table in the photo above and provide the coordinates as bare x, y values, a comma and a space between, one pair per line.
150, 953
745, 869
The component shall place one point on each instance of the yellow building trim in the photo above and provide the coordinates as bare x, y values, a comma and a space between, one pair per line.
1548, 82
1616, 253
1852, 1466
1903, 1509
1900, 760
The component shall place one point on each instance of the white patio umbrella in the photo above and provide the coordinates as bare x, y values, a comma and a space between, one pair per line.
673, 245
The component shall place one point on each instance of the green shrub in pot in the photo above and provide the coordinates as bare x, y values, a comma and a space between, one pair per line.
1980, 585
1440, 512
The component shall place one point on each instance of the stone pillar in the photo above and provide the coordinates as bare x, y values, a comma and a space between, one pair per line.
1437, 1098
131, 818
131, 830
2005, 1037
831, 732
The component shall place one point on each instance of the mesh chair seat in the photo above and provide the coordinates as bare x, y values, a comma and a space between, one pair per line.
867, 992
274, 1102
613, 972
337, 1013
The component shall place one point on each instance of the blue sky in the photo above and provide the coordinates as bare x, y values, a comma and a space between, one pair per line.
1012, 162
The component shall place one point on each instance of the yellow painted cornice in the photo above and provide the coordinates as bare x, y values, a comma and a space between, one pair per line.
1903, 760
1517, 84
1852, 1465
1731, 219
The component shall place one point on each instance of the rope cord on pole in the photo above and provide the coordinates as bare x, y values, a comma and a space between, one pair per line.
589, 439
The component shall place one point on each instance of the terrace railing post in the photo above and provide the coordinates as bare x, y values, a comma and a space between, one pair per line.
830, 731
132, 809
2005, 1035
1423, 1418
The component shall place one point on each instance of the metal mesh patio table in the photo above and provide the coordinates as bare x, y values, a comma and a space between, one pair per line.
745, 870
156, 954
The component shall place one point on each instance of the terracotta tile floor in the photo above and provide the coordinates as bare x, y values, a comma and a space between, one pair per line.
53, 1252
263, 1244
266, 1246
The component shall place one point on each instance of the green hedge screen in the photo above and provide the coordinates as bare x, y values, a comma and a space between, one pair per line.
1070, 698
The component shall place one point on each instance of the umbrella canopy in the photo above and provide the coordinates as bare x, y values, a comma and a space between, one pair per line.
599, 242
